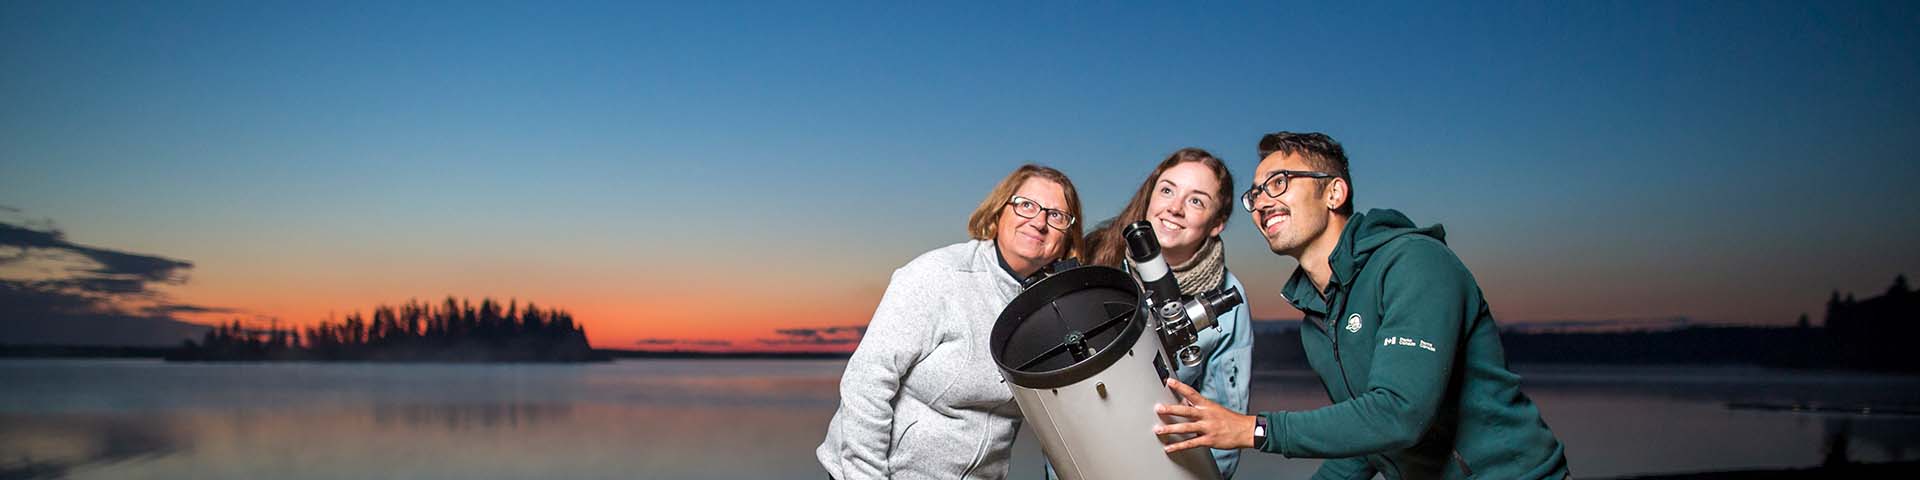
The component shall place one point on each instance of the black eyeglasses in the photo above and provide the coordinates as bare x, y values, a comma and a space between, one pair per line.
1027, 208
1276, 185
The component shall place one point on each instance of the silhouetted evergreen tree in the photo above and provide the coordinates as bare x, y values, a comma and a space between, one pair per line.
457, 331
1872, 333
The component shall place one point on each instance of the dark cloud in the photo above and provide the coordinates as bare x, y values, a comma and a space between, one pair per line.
33, 314
99, 285
80, 294
855, 330
110, 263
809, 341
173, 308
840, 335
661, 342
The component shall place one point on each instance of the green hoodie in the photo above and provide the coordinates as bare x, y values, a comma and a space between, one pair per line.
1413, 364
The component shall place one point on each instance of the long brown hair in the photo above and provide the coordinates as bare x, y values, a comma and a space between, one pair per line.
984, 224
1104, 245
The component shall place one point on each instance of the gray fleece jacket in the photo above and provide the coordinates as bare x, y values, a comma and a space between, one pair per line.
921, 397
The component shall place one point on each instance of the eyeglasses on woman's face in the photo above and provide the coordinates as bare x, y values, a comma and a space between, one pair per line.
1027, 208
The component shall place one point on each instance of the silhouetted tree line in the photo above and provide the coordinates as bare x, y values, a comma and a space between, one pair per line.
1871, 334
454, 331
1876, 333
1792, 347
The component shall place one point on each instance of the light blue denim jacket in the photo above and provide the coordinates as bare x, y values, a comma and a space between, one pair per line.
1224, 377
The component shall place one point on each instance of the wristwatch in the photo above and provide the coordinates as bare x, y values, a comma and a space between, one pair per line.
1259, 431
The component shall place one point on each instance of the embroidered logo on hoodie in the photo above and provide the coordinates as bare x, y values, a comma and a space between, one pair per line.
1353, 323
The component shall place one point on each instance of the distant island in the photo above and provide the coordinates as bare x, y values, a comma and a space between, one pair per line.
454, 331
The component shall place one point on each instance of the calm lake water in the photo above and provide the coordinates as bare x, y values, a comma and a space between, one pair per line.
700, 419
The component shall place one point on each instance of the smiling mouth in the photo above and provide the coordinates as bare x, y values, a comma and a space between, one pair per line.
1274, 220
1170, 227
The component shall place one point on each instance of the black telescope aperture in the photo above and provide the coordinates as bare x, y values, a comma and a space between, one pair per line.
1031, 340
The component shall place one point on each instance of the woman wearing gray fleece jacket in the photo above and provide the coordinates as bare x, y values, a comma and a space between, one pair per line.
921, 397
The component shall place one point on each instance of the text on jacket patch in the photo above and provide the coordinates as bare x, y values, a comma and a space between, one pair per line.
1408, 342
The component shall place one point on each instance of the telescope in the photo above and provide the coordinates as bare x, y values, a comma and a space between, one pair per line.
1086, 352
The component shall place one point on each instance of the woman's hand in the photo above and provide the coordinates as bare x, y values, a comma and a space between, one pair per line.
1216, 426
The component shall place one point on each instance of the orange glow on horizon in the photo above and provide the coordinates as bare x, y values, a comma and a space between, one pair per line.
710, 323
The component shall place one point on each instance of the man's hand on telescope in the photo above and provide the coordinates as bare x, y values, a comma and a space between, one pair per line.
1216, 426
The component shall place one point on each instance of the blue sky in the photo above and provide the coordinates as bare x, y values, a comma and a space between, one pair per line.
1723, 161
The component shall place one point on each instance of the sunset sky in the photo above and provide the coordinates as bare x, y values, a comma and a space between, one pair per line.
705, 176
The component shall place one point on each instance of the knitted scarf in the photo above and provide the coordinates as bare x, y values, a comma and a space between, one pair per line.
1205, 270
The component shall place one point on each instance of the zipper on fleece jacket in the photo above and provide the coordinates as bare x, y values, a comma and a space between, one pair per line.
1341, 364
1334, 336
1324, 324
1464, 470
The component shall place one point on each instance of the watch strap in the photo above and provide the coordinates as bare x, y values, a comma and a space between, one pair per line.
1260, 431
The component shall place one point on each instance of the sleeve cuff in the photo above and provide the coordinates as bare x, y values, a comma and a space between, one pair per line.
1277, 433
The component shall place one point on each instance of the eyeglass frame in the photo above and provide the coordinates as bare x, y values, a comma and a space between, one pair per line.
1015, 200
1246, 199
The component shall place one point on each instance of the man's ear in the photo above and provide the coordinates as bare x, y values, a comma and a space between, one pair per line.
1336, 194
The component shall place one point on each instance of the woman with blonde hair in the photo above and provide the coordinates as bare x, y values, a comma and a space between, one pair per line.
921, 397
1188, 199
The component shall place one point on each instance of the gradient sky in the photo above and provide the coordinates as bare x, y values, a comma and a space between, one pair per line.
722, 171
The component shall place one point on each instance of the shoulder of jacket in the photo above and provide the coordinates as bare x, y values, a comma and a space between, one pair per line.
1419, 247
1418, 258
950, 258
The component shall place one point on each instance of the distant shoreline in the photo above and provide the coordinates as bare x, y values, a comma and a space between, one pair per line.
104, 351
1903, 469
1278, 349
83, 351
685, 355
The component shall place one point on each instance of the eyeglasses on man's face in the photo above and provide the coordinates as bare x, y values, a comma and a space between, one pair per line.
1275, 185
1027, 208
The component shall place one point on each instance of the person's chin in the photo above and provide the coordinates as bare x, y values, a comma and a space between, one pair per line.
1277, 245
1027, 251
1179, 243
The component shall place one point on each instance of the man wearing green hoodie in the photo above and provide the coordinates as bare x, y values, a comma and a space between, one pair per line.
1396, 329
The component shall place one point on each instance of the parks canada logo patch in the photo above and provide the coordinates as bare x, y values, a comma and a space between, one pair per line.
1353, 323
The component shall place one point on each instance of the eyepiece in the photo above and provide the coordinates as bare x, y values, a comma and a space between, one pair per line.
1223, 299
1142, 244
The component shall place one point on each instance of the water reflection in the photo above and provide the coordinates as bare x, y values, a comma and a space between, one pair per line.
627, 420
1849, 439
463, 417
762, 419
52, 447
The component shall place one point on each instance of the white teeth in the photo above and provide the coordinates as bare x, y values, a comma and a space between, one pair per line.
1273, 220
1169, 226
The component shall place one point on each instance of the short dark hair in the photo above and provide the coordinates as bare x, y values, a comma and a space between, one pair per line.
1319, 150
